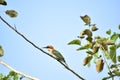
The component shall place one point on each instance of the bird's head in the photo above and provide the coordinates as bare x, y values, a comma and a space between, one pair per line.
49, 47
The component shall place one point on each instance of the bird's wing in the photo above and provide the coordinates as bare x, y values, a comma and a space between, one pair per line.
58, 54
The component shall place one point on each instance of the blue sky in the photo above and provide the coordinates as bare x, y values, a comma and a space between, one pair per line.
54, 22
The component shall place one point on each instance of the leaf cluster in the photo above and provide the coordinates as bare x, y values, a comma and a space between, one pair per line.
11, 76
99, 49
10, 13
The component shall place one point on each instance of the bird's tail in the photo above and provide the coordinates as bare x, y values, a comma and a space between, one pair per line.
64, 62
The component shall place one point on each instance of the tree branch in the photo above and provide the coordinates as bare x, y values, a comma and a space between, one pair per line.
108, 77
14, 29
18, 72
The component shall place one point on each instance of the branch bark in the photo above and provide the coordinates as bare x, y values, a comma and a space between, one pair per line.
20, 34
18, 72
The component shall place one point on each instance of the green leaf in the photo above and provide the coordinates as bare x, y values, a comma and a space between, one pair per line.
89, 39
87, 32
76, 42
87, 60
116, 72
11, 73
113, 66
86, 19
1, 76
15, 76
87, 46
104, 47
118, 45
94, 28
119, 36
118, 58
106, 78
109, 42
100, 40
107, 55
89, 52
1, 51
11, 13
3, 2
108, 32
119, 27
113, 53
9, 76
114, 37
95, 49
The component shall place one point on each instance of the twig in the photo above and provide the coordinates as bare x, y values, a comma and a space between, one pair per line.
108, 77
104, 51
40, 48
18, 72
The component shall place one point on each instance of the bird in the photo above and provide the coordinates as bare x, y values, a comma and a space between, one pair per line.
56, 54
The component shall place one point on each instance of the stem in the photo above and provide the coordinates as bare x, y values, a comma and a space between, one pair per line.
18, 72
14, 29
108, 77
104, 51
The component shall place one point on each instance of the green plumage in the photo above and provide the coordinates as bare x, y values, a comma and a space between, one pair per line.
58, 55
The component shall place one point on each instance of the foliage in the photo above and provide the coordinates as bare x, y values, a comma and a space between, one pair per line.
11, 76
86, 19
75, 41
101, 49
1, 51
3, 2
11, 13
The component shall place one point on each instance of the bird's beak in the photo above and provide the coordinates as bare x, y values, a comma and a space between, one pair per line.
44, 47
